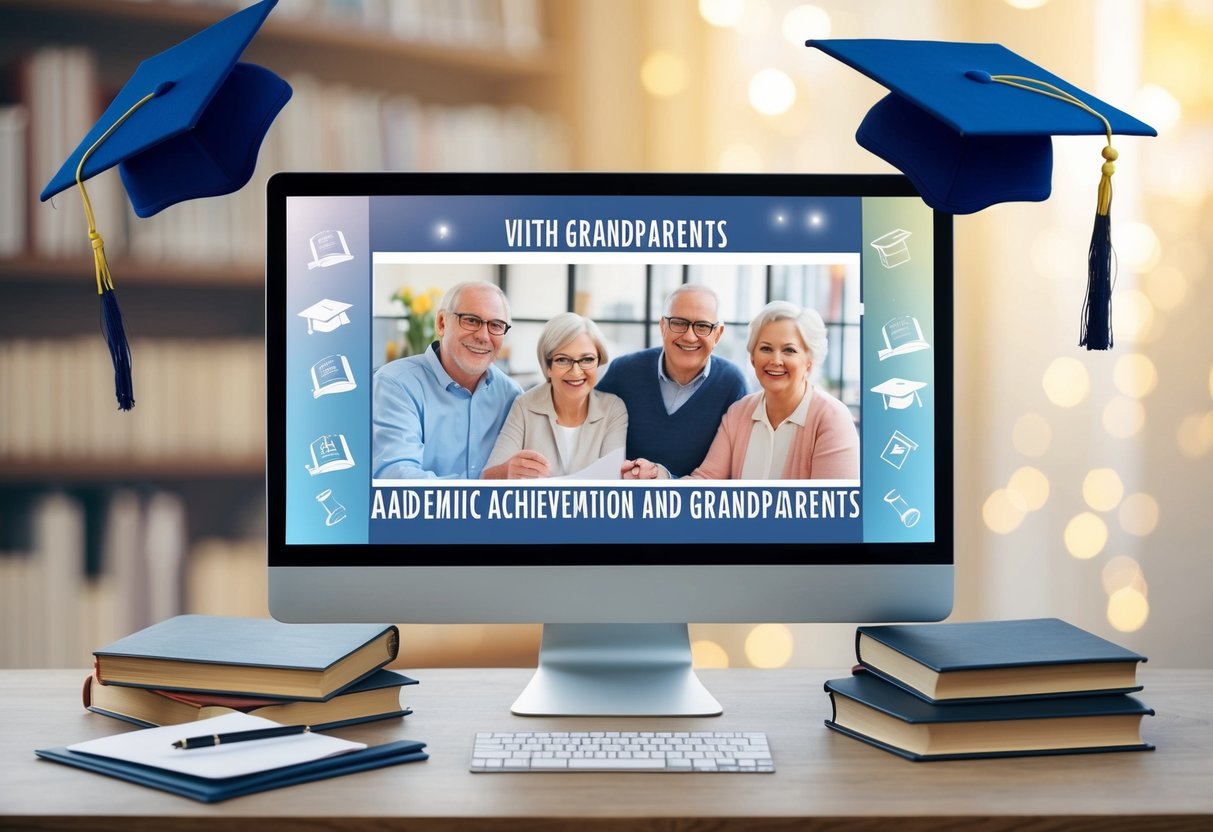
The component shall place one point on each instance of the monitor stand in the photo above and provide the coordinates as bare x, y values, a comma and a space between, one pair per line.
615, 670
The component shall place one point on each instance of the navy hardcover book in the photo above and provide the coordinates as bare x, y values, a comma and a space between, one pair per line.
150, 708
247, 656
870, 709
210, 790
1043, 657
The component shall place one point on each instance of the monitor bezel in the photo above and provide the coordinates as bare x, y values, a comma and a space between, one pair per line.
283, 186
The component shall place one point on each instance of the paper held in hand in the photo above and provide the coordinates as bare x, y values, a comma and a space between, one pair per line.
154, 747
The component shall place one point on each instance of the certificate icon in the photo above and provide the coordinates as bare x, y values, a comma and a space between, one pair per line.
898, 449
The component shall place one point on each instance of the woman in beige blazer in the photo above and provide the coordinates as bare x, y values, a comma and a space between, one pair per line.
564, 424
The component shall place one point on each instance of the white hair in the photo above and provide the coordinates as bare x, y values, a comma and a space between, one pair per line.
808, 322
690, 287
564, 328
450, 301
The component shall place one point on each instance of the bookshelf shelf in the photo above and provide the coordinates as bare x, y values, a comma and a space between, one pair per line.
126, 271
345, 41
55, 471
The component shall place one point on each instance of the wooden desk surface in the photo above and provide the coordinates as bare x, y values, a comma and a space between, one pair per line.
822, 779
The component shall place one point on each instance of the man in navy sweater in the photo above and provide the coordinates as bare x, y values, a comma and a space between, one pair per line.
676, 393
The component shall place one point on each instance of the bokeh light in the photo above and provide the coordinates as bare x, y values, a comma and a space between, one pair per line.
722, 13
1103, 489
1138, 514
1195, 438
1137, 246
1157, 107
1031, 486
1032, 434
1120, 572
1003, 511
1066, 382
1128, 610
1124, 417
1135, 375
1026, 4
1085, 536
772, 92
806, 22
708, 654
769, 645
663, 74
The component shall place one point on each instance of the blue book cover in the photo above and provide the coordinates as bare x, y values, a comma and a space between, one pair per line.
1041, 657
212, 790
870, 709
247, 656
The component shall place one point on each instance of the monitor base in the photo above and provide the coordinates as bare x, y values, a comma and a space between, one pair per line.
615, 670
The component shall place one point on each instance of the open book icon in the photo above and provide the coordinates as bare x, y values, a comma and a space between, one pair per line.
902, 335
328, 249
332, 374
330, 453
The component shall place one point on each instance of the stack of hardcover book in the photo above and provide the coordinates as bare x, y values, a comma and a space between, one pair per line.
989, 689
194, 667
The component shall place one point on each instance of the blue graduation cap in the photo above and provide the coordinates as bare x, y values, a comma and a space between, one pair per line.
970, 124
187, 124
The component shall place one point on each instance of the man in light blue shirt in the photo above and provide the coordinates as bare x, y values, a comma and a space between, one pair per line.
437, 415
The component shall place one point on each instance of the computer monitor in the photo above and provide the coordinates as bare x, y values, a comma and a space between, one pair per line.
613, 568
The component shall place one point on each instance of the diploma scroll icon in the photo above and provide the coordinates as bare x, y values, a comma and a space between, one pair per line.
908, 514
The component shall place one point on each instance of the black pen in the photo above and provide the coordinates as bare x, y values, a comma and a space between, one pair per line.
241, 736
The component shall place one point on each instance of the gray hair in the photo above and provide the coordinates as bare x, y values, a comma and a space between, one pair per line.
690, 287
564, 328
450, 301
809, 323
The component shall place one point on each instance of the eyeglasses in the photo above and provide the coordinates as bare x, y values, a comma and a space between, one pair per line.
680, 325
472, 323
564, 363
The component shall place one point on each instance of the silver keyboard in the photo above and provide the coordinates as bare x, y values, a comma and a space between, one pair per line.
622, 751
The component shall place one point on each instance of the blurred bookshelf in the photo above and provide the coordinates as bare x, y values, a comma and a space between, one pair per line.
110, 521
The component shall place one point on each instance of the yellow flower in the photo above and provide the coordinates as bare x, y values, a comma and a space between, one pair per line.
421, 304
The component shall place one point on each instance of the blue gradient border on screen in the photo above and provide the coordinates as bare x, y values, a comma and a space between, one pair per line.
396, 212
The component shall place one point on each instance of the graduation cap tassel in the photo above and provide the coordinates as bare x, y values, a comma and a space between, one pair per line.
1097, 308
1097, 311
111, 316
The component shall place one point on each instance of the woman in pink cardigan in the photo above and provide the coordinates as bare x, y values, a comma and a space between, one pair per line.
791, 429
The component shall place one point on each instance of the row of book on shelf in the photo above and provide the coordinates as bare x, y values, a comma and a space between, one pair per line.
989, 689
206, 680
325, 127
512, 25
197, 400
76, 569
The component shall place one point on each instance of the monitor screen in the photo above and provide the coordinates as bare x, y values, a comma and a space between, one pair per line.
466, 373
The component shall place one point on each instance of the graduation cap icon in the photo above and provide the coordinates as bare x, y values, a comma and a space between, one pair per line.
325, 315
892, 248
899, 393
187, 124
971, 125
